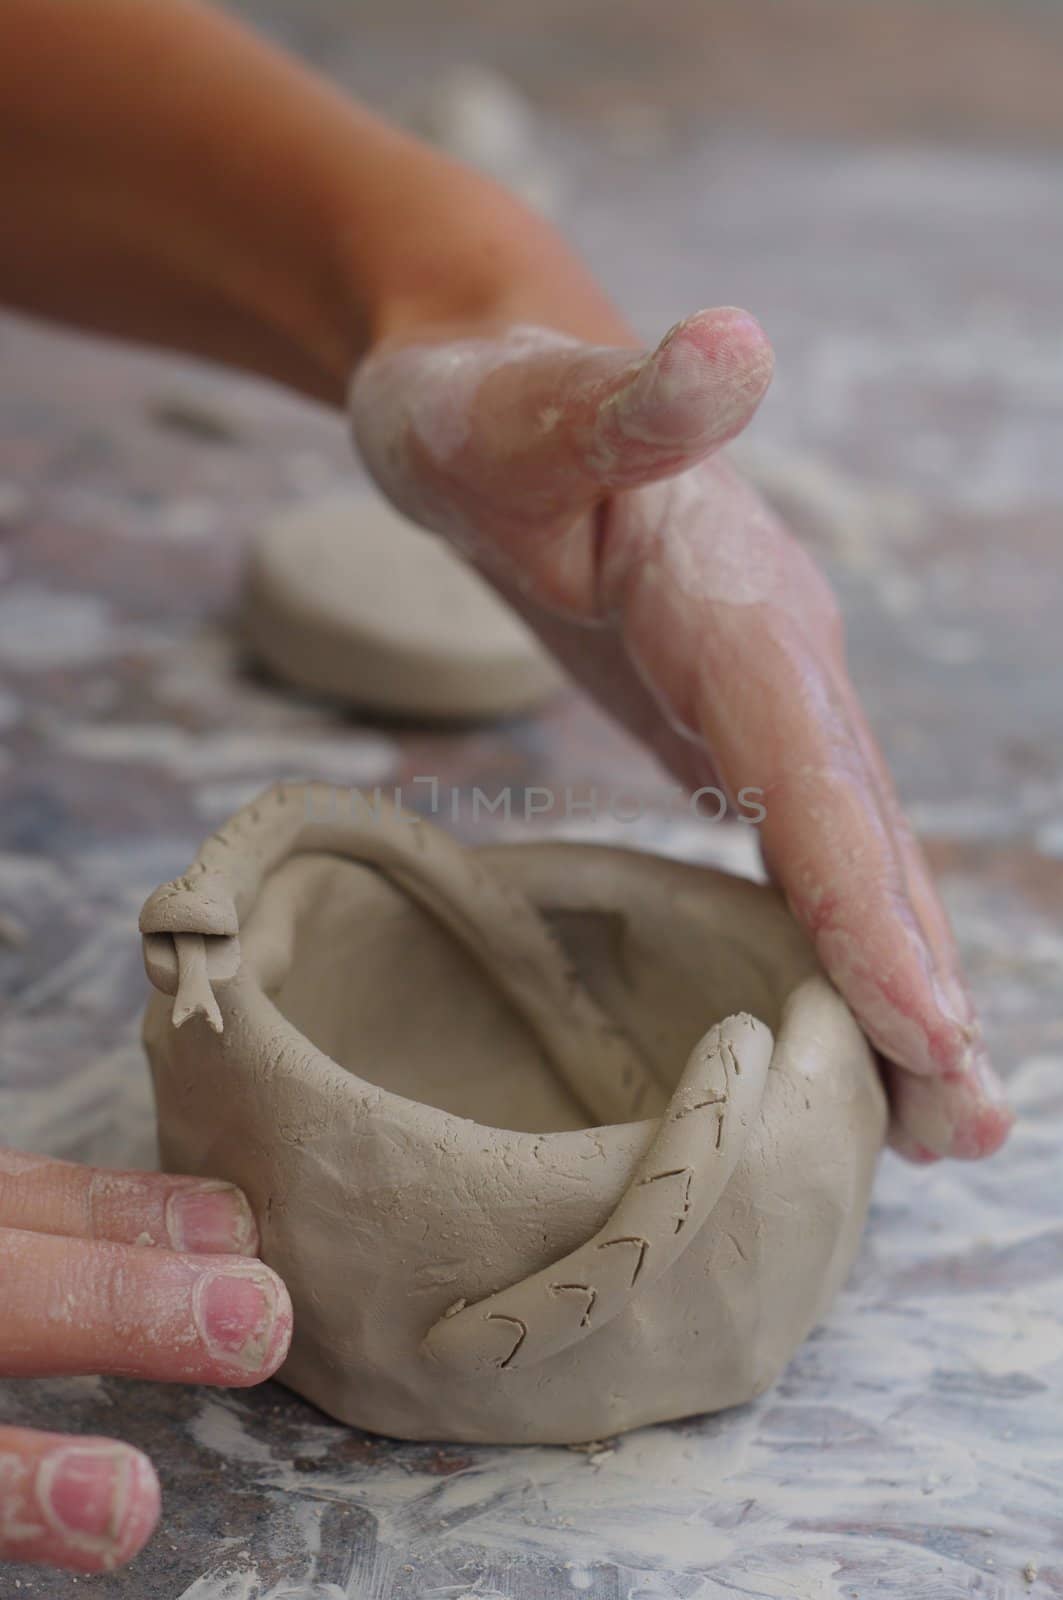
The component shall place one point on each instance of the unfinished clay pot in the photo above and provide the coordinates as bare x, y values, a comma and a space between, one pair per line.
546, 1140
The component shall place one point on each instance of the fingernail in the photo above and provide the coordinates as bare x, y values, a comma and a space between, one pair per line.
244, 1316
731, 339
211, 1219
689, 380
84, 1491
102, 1499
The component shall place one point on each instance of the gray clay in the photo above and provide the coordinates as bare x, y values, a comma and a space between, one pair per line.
547, 1140
347, 599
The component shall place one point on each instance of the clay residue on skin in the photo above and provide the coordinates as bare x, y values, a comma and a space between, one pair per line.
713, 537
425, 395
601, 419
16, 1524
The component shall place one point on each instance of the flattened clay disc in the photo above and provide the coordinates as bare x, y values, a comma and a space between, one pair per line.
346, 598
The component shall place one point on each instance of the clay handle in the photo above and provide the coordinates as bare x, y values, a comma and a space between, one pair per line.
698, 1143
496, 924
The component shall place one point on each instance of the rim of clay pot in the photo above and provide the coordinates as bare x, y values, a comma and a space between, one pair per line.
556, 876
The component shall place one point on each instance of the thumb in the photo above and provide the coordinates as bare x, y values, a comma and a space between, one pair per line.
498, 441
670, 409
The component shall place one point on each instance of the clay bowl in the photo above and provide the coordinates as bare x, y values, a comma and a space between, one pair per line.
547, 1140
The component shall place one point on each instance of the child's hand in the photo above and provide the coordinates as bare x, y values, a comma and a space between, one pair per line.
261, 218
578, 477
125, 1273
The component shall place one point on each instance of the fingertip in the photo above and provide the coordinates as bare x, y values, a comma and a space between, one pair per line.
693, 393
732, 340
208, 1217
962, 1115
281, 1341
721, 363
984, 1134
100, 1499
244, 1316
986, 1118
144, 1509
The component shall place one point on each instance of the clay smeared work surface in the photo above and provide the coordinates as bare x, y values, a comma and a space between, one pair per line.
913, 1444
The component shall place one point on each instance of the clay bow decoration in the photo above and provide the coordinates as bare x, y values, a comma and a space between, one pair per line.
191, 941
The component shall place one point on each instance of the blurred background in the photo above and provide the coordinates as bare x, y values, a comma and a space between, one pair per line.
881, 183
878, 182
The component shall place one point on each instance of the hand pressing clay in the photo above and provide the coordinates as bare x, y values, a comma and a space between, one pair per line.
547, 1140
346, 598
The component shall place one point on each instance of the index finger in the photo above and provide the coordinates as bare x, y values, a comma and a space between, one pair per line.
76, 1306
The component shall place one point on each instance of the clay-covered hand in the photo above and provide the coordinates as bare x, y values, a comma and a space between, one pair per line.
135, 1274
583, 479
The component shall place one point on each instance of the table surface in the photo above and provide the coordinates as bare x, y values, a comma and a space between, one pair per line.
900, 235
